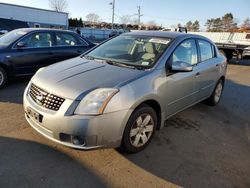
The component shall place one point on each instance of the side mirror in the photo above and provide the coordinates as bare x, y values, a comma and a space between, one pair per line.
21, 44
181, 66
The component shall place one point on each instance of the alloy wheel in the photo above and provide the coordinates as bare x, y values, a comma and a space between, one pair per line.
142, 130
218, 92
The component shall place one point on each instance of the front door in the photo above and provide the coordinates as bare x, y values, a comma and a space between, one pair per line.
34, 53
181, 91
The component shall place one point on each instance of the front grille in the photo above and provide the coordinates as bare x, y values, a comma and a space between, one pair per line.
45, 99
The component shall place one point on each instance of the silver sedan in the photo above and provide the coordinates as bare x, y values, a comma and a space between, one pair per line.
120, 92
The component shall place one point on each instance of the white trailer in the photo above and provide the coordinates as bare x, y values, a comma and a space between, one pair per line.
229, 43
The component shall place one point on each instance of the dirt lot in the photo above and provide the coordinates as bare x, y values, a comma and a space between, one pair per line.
200, 147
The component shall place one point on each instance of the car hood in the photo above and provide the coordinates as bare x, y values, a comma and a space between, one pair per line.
73, 77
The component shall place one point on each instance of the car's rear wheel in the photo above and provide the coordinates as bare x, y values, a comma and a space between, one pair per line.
139, 129
3, 77
214, 99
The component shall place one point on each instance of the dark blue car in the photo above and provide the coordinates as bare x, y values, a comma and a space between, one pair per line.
24, 51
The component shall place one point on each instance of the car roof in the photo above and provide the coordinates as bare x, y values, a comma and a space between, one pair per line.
163, 34
42, 29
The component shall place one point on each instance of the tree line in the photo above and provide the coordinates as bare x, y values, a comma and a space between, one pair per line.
93, 20
226, 23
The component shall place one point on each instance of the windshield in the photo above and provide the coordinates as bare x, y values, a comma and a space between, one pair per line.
141, 51
10, 37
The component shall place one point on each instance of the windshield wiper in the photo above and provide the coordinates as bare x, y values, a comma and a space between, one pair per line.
131, 66
115, 63
118, 64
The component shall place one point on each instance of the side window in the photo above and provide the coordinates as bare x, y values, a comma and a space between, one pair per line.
206, 50
67, 39
186, 52
38, 40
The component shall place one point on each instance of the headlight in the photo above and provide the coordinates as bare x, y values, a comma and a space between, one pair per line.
95, 102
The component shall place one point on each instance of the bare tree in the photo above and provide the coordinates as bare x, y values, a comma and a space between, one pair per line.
135, 21
179, 25
189, 26
196, 26
58, 5
126, 19
93, 18
151, 24
246, 25
209, 24
228, 22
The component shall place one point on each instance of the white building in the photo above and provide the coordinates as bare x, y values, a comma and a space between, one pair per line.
34, 17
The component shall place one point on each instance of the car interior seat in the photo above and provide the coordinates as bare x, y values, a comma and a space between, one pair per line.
149, 54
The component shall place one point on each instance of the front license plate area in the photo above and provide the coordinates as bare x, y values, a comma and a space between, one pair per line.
34, 115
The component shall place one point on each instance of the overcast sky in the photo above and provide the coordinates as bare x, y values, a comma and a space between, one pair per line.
163, 12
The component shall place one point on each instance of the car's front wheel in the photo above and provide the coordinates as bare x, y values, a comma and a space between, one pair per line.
3, 77
139, 129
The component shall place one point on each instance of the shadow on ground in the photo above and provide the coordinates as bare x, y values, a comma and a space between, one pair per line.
30, 164
13, 91
204, 146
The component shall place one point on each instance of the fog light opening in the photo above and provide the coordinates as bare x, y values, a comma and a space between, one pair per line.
76, 140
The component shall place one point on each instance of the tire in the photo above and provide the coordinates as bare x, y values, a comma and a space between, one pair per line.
139, 130
229, 55
214, 99
240, 56
3, 77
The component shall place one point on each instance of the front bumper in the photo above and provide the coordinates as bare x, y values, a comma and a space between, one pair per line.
96, 131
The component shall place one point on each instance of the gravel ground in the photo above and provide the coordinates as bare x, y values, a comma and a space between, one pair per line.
200, 147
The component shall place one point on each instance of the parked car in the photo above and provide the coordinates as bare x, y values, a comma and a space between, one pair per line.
115, 33
122, 91
24, 51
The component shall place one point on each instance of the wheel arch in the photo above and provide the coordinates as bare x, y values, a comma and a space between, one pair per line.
155, 105
3, 66
223, 78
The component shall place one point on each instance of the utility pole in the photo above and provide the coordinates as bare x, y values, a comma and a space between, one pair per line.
113, 13
139, 16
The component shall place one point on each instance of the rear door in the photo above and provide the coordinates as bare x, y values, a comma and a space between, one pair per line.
68, 45
34, 54
207, 69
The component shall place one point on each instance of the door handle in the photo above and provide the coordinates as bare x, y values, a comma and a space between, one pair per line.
79, 51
